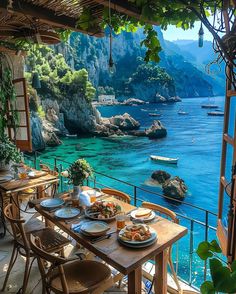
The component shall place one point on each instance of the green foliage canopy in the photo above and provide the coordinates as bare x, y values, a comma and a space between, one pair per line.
56, 76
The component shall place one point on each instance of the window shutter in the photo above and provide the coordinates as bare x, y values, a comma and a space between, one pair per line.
22, 138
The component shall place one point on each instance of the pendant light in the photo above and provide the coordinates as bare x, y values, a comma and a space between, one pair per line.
36, 84
200, 36
111, 64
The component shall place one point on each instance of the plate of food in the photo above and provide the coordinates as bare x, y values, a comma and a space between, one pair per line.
137, 235
103, 210
52, 203
67, 212
143, 214
94, 228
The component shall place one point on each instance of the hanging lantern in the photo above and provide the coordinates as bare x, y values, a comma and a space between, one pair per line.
200, 36
111, 64
36, 84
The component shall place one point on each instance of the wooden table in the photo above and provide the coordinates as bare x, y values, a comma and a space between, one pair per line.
127, 260
10, 190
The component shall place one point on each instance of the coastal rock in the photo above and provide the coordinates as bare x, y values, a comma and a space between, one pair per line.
175, 188
133, 101
160, 176
36, 132
156, 131
174, 99
125, 122
54, 116
137, 133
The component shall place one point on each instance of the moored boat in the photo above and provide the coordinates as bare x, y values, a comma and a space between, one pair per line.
164, 159
210, 106
215, 113
180, 112
154, 114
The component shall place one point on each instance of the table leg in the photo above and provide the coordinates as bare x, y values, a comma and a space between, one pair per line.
160, 281
135, 281
41, 192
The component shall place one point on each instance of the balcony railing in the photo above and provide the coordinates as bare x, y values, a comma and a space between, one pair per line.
201, 223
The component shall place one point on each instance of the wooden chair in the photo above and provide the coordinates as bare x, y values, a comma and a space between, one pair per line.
117, 194
69, 275
165, 212
51, 242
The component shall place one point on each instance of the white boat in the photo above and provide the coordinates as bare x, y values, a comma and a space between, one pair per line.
154, 114
164, 159
216, 113
180, 112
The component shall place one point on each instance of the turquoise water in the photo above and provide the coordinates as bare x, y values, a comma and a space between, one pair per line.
195, 138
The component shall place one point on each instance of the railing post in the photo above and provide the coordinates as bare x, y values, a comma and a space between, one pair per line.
35, 159
94, 182
135, 196
206, 239
191, 252
55, 163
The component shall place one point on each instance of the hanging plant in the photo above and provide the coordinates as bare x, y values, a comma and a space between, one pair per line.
8, 114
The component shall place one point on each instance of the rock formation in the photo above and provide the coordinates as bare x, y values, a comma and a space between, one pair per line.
160, 176
124, 122
156, 131
175, 188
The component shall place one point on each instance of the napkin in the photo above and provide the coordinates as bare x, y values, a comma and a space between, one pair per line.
84, 199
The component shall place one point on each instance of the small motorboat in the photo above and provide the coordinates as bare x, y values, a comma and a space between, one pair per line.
154, 114
181, 112
71, 136
164, 159
215, 113
209, 106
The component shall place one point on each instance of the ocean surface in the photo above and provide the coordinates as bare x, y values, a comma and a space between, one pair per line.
195, 139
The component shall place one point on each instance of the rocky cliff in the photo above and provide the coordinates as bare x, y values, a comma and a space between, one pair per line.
92, 53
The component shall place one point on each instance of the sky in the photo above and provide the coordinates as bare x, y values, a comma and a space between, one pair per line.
173, 33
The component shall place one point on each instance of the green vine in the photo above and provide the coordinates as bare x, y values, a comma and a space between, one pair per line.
8, 114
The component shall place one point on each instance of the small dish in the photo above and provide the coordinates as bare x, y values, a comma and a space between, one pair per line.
67, 212
144, 219
95, 228
52, 203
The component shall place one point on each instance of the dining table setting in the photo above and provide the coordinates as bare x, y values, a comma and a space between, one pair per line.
122, 235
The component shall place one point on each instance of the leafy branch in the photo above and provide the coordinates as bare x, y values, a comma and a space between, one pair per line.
223, 277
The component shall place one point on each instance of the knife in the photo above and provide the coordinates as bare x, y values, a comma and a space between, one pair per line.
107, 236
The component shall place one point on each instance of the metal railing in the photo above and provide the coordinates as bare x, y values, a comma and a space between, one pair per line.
201, 223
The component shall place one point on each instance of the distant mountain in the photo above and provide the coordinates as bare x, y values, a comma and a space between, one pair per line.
203, 58
181, 70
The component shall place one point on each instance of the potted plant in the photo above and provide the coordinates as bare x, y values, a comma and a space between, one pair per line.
78, 171
9, 154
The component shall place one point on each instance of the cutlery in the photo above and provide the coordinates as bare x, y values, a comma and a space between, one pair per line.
107, 236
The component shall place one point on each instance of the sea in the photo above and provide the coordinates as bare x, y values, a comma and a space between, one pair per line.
195, 138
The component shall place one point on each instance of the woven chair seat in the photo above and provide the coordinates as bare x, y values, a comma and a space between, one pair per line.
51, 240
81, 276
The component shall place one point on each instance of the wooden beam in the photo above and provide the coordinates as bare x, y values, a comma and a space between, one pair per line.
126, 8
46, 16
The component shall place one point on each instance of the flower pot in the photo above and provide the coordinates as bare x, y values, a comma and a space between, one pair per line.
4, 166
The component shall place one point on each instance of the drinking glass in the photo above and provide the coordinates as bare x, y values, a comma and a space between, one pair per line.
120, 221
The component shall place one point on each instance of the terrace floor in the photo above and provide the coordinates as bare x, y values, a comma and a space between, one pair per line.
34, 285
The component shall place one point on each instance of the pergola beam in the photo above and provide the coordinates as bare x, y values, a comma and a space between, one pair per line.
123, 6
46, 16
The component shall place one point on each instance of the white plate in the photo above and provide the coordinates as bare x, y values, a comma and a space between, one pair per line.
143, 219
52, 203
96, 228
137, 246
137, 243
93, 193
67, 212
